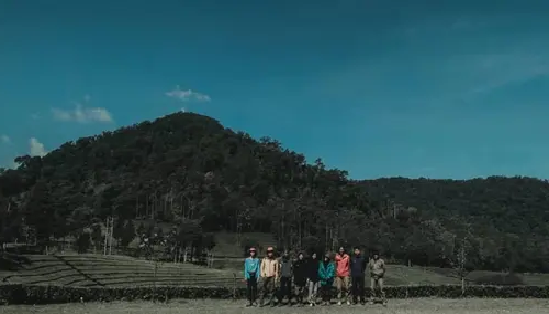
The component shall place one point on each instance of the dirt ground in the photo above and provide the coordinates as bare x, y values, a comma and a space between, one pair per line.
396, 306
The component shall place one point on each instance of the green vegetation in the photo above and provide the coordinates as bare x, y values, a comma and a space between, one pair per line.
396, 306
20, 294
190, 173
88, 270
99, 271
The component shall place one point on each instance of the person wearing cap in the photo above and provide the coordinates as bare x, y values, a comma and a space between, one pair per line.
358, 268
269, 276
342, 261
312, 278
300, 277
326, 274
251, 275
377, 272
286, 270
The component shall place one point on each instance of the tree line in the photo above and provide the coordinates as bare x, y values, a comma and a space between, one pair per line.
189, 171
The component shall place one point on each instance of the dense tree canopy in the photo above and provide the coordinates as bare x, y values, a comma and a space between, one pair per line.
188, 170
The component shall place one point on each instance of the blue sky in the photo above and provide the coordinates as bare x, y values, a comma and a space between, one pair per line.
379, 88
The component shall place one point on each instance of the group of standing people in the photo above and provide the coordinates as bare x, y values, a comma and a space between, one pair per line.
283, 277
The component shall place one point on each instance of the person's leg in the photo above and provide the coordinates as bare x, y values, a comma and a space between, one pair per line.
311, 287
268, 284
347, 282
299, 293
372, 289
263, 291
316, 286
254, 290
360, 288
249, 290
289, 291
280, 292
353, 290
339, 283
381, 292
273, 289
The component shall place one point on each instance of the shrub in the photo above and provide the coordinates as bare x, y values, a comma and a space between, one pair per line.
20, 294
500, 280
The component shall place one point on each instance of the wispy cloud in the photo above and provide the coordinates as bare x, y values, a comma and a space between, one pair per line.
82, 114
36, 148
496, 71
188, 95
5, 139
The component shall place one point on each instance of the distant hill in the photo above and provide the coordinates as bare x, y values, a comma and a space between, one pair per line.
188, 170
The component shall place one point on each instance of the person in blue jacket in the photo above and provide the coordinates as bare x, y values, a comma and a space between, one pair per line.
326, 274
251, 275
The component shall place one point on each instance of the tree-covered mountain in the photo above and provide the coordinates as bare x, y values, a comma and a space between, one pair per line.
188, 170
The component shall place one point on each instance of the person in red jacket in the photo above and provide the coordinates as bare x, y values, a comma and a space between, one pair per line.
342, 276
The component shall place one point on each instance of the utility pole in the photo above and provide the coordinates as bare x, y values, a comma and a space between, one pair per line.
111, 235
107, 245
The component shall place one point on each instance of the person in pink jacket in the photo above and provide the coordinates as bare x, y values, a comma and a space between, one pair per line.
342, 276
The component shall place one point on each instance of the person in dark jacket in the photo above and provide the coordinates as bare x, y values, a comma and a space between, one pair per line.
358, 268
312, 278
300, 278
286, 273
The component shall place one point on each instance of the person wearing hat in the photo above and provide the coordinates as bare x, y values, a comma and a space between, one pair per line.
269, 276
326, 273
377, 271
300, 277
251, 275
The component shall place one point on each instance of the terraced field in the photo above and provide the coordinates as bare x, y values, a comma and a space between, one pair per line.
118, 271
112, 271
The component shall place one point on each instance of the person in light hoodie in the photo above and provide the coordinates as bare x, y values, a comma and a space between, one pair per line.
251, 275
377, 272
269, 276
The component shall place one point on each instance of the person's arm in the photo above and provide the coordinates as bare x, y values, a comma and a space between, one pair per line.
331, 273
262, 269
246, 275
319, 271
382, 265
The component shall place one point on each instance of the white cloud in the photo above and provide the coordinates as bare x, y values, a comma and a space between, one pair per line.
5, 139
188, 95
13, 165
82, 114
36, 148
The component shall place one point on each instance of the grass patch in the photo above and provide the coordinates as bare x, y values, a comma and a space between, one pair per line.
396, 306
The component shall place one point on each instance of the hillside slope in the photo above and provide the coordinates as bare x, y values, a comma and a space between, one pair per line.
189, 171
109, 271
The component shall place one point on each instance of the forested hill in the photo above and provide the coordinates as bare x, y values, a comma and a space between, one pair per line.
516, 205
190, 171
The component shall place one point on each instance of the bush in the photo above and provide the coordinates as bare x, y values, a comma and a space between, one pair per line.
500, 280
20, 294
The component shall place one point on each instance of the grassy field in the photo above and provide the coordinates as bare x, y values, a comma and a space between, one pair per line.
118, 271
398, 306
112, 271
